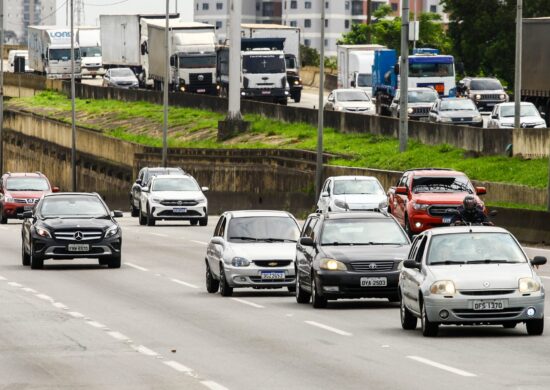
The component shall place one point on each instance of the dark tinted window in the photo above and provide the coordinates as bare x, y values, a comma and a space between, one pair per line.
442, 184
368, 231
266, 229
485, 84
72, 206
197, 61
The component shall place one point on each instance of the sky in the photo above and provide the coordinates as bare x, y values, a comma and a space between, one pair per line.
94, 8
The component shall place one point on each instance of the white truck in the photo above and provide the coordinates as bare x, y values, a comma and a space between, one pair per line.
291, 49
50, 52
192, 55
89, 40
124, 40
355, 66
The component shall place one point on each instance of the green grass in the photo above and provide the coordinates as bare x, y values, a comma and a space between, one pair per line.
509, 205
363, 150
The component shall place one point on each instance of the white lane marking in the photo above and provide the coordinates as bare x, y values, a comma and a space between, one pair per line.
385, 346
2, 278
117, 335
213, 385
159, 235
76, 314
184, 283
3, 228
248, 303
441, 366
96, 324
14, 284
45, 297
60, 305
137, 267
29, 290
177, 366
329, 328
199, 242
144, 350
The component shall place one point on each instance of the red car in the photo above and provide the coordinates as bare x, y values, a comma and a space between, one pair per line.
422, 197
19, 192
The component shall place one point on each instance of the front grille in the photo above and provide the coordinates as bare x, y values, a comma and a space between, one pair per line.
356, 109
258, 279
26, 201
272, 263
421, 110
528, 125
490, 97
64, 251
124, 83
440, 210
372, 266
265, 84
469, 119
486, 292
84, 235
200, 78
170, 213
470, 314
179, 203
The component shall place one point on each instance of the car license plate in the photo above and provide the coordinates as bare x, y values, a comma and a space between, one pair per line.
201, 90
489, 305
180, 210
447, 219
278, 275
78, 248
374, 282
266, 92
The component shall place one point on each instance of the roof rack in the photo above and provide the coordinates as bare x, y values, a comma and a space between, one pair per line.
429, 169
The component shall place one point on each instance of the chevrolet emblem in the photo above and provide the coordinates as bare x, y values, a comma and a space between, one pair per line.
273, 264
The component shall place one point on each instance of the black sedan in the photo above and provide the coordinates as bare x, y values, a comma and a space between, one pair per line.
70, 226
456, 111
349, 255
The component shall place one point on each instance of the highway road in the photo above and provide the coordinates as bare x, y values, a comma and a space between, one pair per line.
151, 324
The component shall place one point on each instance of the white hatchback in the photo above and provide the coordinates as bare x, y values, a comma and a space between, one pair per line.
503, 116
352, 100
352, 193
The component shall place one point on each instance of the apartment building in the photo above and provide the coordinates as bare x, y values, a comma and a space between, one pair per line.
19, 14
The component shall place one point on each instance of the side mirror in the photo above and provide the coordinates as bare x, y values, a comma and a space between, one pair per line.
493, 213
55, 189
325, 194
411, 264
353, 84
205, 189
538, 260
145, 189
138, 181
494, 116
217, 240
306, 241
401, 190
543, 114
117, 214
481, 190
28, 214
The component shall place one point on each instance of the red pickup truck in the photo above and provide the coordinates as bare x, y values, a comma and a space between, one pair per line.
422, 197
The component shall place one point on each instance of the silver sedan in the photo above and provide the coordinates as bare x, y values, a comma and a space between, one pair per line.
470, 275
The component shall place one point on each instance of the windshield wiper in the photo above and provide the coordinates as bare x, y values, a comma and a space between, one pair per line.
490, 261
448, 262
276, 239
338, 243
244, 238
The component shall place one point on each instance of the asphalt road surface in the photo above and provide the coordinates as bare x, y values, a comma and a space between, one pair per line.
151, 324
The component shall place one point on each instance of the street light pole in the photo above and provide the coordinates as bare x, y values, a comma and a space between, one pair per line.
517, 78
320, 118
73, 111
2, 87
166, 86
404, 79
234, 93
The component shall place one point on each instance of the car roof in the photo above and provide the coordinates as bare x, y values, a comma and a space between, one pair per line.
372, 178
258, 213
435, 172
94, 194
182, 175
161, 169
513, 104
25, 174
466, 229
348, 90
454, 99
353, 215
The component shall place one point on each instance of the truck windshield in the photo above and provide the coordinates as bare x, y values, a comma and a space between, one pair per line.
263, 63
63, 54
208, 61
364, 80
94, 51
431, 70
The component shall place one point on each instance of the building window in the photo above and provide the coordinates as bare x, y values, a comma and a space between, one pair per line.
219, 24
293, 23
219, 6
433, 8
346, 24
307, 23
326, 4
326, 42
394, 7
293, 4
347, 5
205, 6
326, 23
357, 8
307, 5
268, 9
197, 6
307, 42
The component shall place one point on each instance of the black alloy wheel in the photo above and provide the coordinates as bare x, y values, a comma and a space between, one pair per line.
318, 301
225, 289
212, 285
408, 320
302, 296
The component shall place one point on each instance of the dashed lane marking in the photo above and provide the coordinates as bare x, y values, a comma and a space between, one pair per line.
329, 328
96, 324
184, 283
45, 297
199, 242
213, 385
117, 335
144, 350
14, 284
159, 235
137, 267
178, 367
442, 366
75, 314
245, 302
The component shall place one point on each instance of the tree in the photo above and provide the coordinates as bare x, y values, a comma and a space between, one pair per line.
309, 56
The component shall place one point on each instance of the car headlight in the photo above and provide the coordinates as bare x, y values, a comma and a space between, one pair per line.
341, 204
443, 287
383, 205
200, 200
156, 200
43, 232
8, 199
444, 119
502, 96
528, 285
296, 82
339, 108
332, 265
420, 206
478, 97
478, 118
410, 110
240, 262
111, 231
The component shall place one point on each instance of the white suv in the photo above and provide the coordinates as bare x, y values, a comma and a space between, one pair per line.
352, 193
173, 197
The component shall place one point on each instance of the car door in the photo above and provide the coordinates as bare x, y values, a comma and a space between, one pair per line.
330, 102
434, 112
400, 200
136, 188
324, 201
304, 263
414, 277
216, 246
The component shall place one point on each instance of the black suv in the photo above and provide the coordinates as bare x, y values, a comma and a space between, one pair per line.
349, 255
69, 226
485, 92
142, 181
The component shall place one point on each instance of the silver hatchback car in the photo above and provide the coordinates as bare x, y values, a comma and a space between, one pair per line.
470, 275
252, 249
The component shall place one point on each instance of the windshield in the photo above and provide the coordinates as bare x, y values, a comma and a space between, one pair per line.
263, 63
490, 84
526, 110
122, 72
445, 184
205, 61
93, 51
175, 184
431, 70
457, 105
343, 187
364, 80
352, 96
63, 54
72, 206
27, 184
363, 232
266, 229
422, 96
474, 248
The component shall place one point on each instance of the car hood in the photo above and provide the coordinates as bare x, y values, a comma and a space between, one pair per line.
124, 79
366, 252
487, 92
441, 197
264, 250
176, 195
523, 119
459, 114
372, 200
27, 194
77, 223
420, 104
355, 104
474, 276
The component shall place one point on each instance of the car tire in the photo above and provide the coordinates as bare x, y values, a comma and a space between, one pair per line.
408, 320
142, 219
25, 257
103, 261
318, 301
36, 261
429, 329
193, 222
134, 211
212, 285
114, 261
509, 325
302, 296
408, 227
535, 327
203, 221
225, 289
3, 218
291, 289
149, 218
297, 96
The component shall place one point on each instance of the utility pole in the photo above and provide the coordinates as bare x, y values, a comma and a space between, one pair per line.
73, 111
2, 87
166, 86
404, 79
320, 115
369, 19
517, 78
415, 26
235, 18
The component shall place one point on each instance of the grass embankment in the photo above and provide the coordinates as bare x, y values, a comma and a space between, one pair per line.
142, 123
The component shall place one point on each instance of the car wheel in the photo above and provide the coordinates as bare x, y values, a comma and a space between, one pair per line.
114, 261
194, 222
509, 325
25, 257
212, 285
103, 261
318, 301
291, 289
36, 261
225, 289
429, 329
142, 219
408, 227
3, 218
535, 327
302, 296
203, 221
133, 209
149, 218
408, 320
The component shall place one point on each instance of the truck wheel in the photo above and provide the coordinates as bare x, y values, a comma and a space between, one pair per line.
297, 96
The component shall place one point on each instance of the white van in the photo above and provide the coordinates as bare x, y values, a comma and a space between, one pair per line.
17, 53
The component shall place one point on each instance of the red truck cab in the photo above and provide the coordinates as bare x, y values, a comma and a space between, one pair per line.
422, 198
19, 192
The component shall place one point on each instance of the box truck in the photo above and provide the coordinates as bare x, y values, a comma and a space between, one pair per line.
355, 66
89, 41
